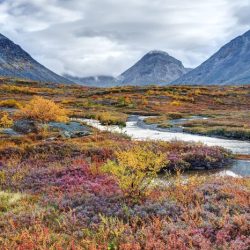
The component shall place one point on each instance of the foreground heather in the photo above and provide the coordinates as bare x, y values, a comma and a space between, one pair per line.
201, 214
58, 196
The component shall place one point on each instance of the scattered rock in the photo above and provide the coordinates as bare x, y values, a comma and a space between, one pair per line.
70, 130
66, 130
8, 110
26, 126
9, 131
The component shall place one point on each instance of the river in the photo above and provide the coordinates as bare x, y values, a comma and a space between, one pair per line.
137, 129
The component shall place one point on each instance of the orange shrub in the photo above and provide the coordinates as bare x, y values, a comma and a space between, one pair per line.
43, 110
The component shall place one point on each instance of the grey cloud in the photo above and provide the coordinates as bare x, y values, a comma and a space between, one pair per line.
106, 37
242, 13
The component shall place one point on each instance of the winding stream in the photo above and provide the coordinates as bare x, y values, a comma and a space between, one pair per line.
137, 129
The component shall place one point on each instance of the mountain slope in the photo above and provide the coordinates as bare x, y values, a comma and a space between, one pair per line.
15, 62
230, 65
94, 81
156, 67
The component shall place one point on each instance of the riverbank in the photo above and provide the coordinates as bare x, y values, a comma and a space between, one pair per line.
55, 195
138, 130
76, 186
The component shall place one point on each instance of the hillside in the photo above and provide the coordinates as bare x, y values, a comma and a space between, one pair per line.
17, 63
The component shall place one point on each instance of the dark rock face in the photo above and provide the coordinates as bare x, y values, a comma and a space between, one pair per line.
15, 62
156, 67
26, 126
229, 66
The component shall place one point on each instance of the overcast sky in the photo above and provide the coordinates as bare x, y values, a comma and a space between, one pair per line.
89, 37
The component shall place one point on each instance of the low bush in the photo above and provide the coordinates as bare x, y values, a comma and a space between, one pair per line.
10, 103
5, 121
42, 110
175, 115
135, 168
109, 118
184, 156
176, 103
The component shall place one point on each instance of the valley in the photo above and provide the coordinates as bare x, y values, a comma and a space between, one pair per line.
156, 156
74, 166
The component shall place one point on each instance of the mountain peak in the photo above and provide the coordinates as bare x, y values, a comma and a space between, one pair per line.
229, 65
157, 52
156, 67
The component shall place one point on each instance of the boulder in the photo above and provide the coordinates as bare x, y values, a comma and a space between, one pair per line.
25, 126
66, 130
70, 129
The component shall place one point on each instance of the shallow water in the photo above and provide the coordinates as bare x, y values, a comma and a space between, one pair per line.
238, 168
138, 130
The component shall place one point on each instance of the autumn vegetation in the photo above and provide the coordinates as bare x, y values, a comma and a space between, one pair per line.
106, 191
42, 110
5, 121
135, 169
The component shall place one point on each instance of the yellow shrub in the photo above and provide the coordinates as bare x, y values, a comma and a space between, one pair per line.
135, 169
175, 103
10, 103
5, 121
17, 89
197, 92
43, 110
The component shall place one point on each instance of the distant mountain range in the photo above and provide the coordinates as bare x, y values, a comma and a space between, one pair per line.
95, 81
156, 67
230, 65
15, 62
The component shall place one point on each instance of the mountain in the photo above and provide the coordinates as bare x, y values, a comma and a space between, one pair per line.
230, 65
15, 62
94, 81
156, 67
